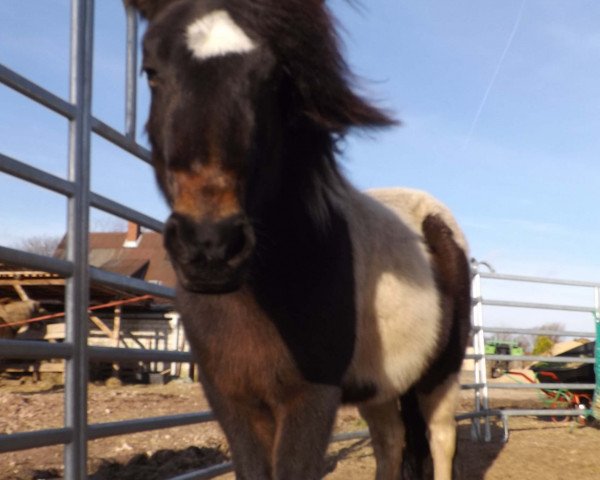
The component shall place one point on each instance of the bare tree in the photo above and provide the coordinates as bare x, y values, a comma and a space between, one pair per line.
40, 244
553, 326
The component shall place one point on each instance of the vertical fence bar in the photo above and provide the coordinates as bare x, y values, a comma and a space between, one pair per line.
476, 294
480, 370
77, 286
131, 74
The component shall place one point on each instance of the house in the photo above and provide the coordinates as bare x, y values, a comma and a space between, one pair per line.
117, 317
133, 253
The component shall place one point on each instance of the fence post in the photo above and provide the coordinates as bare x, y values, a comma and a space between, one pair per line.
131, 73
480, 370
77, 286
596, 403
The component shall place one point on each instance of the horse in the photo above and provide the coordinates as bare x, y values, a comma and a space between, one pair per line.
298, 293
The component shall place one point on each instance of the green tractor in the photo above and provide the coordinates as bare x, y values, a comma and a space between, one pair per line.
501, 347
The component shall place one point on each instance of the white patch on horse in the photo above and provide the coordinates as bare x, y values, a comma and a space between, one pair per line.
215, 35
399, 318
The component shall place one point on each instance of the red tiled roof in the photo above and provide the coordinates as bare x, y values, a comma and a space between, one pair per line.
145, 259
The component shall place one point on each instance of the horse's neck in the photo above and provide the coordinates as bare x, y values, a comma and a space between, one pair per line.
310, 174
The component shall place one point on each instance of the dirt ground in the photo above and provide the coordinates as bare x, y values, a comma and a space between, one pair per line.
537, 449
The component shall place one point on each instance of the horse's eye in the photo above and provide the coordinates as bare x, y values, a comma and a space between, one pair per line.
151, 76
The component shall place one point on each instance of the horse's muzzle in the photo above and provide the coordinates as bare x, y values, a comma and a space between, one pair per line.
209, 256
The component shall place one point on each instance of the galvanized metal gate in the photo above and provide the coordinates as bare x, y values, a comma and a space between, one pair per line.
76, 431
482, 412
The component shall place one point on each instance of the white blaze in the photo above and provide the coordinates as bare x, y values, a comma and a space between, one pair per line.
216, 34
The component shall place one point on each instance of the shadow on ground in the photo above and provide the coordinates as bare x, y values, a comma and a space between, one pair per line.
160, 465
332, 459
474, 458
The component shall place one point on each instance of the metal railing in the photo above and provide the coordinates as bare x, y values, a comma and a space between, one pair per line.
76, 431
482, 413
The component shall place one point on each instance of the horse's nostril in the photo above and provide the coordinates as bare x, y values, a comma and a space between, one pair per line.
227, 241
171, 232
177, 234
235, 243
240, 242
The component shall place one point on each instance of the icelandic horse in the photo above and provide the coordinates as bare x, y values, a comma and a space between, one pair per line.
298, 293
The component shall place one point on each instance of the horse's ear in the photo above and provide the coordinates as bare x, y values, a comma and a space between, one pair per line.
148, 8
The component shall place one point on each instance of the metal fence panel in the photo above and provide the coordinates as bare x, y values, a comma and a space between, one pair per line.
482, 413
75, 268
76, 431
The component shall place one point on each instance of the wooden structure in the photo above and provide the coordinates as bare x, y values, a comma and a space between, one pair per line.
118, 318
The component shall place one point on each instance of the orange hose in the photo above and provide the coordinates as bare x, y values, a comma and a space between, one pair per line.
62, 314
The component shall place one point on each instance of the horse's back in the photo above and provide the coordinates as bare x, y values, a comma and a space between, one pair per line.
416, 206
408, 252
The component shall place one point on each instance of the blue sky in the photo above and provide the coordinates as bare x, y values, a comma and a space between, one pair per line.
515, 158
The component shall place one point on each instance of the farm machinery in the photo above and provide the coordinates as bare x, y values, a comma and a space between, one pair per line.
577, 374
501, 347
569, 373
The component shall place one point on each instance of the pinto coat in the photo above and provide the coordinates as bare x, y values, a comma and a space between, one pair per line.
412, 306
298, 292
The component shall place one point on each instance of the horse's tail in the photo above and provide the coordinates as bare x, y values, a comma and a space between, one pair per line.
416, 458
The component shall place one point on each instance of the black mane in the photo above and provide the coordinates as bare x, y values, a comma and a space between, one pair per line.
302, 36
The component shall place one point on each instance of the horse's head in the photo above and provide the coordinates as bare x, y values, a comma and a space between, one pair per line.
231, 82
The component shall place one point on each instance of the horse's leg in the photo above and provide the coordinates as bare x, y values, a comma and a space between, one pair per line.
387, 436
250, 431
438, 408
304, 424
